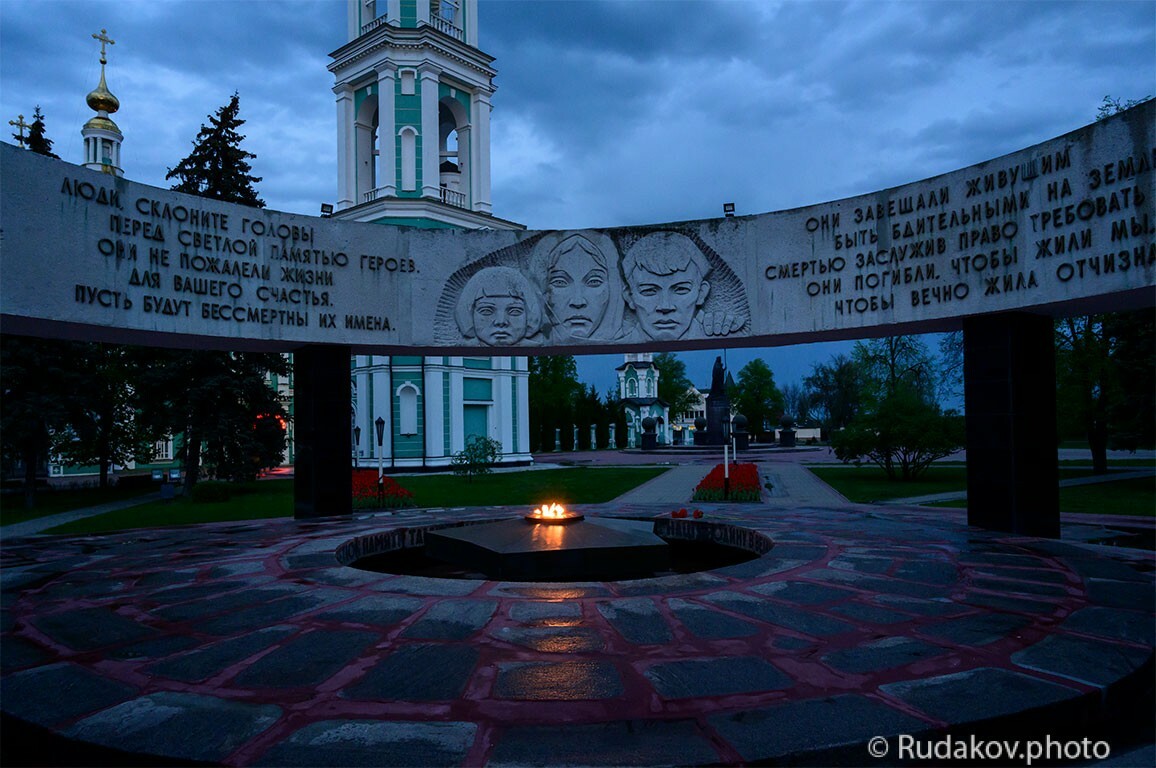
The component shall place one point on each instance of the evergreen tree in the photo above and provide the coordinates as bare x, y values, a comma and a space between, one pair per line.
220, 402
36, 140
218, 167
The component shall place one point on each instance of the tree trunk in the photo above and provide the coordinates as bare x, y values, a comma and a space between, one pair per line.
1098, 442
30, 455
104, 439
192, 459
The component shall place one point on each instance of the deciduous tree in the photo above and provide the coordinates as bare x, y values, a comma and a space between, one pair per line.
835, 390
900, 426
39, 384
103, 428
757, 397
553, 395
673, 384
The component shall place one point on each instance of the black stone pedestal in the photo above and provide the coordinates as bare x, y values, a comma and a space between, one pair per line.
1010, 395
649, 442
322, 477
519, 550
787, 438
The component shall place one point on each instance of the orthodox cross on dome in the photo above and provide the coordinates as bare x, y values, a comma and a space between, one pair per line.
21, 126
104, 39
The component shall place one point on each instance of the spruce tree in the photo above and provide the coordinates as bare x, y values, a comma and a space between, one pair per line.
220, 402
218, 167
37, 141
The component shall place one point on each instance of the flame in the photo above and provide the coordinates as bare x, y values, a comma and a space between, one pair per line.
553, 511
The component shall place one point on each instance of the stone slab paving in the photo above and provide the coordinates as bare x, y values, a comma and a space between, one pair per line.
251, 644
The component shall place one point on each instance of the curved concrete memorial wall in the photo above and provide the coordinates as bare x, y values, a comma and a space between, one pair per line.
1064, 226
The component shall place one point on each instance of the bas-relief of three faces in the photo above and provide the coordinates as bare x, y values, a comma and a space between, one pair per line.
579, 293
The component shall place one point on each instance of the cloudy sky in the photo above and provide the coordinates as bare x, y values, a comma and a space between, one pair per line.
612, 113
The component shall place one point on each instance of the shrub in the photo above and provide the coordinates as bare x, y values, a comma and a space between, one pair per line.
478, 457
365, 496
903, 436
211, 492
744, 484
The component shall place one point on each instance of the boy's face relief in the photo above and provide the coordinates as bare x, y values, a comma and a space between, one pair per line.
665, 304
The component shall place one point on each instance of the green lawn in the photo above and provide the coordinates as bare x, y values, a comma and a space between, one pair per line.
578, 485
1136, 497
274, 498
868, 483
261, 499
51, 502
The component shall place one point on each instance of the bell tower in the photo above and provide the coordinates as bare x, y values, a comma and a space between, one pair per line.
413, 149
413, 115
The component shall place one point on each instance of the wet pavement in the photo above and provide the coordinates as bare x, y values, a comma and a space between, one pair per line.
251, 644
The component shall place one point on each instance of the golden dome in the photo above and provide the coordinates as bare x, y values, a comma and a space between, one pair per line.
102, 99
102, 123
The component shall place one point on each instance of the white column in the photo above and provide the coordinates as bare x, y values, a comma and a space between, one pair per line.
353, 18
430, 160
422, 11
346, 178
393, 11
365, 414
434, 424
386, 132
465, 165
523, 408
469, 22
456, 414
383, 407
480, 152
503, 424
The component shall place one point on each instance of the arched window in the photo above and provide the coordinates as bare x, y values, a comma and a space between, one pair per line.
631, 388
408, 158
407, 408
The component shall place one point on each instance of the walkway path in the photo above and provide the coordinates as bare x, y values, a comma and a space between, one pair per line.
41, 524
675, 486
960, 495
792, 485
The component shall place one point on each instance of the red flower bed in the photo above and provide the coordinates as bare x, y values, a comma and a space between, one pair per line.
365, 492
744, 484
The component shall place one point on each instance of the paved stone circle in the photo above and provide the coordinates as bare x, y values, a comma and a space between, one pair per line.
251, 644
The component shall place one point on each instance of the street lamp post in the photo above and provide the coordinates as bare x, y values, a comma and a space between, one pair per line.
356, 446
379, 424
